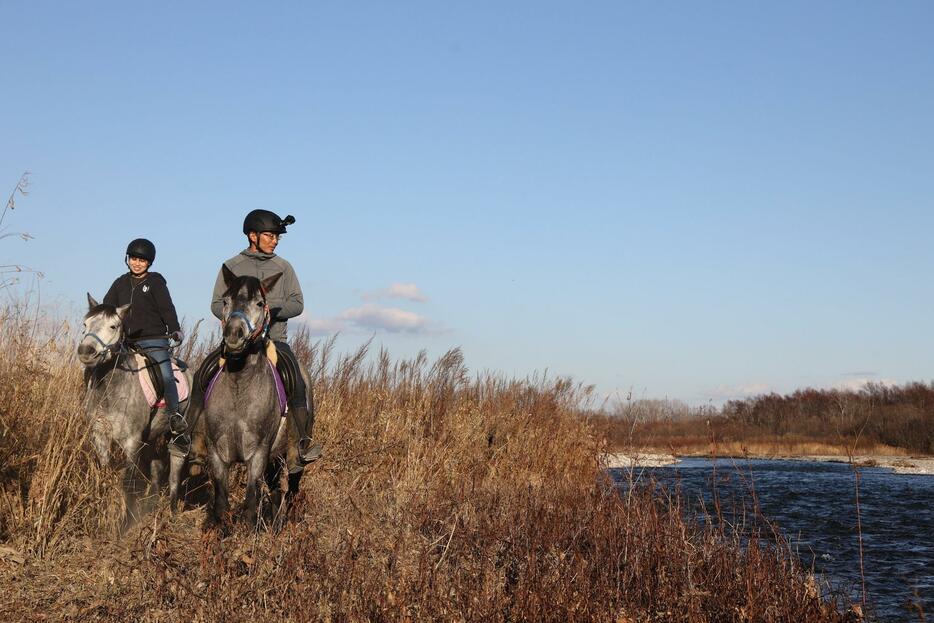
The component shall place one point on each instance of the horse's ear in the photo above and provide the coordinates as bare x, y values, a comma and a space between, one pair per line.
91, 302
123, 310
229, 277
270, 282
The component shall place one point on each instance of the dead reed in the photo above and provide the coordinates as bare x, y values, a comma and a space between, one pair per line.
442, 495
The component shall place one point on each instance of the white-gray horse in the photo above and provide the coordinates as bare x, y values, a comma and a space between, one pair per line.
118, 410
242, 420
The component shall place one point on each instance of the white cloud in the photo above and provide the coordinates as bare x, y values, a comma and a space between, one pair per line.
373, 317
407, 291
319, 326
389, 319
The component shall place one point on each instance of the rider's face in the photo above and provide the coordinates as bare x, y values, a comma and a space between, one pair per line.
138, 265
265, 242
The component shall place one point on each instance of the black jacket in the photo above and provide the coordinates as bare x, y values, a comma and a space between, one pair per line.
152, 313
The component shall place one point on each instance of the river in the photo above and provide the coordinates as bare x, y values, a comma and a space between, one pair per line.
814, 504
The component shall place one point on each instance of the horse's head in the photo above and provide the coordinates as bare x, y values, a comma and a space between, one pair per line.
103, 330
246, 313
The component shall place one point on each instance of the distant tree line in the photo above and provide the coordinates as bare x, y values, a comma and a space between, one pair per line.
901, 416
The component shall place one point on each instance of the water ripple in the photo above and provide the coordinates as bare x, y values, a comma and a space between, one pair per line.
814, 504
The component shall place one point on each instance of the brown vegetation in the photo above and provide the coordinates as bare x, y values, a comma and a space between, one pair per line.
441, 496
877, 420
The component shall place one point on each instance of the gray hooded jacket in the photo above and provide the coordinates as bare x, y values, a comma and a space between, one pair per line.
285, 299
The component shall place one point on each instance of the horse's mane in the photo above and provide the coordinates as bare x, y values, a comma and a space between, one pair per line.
102, 308
251, 283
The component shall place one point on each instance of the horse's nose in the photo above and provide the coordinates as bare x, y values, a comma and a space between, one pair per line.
234, 332
85, 350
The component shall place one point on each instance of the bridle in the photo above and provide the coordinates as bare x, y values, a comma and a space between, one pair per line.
116, 348
255, 332
107, 347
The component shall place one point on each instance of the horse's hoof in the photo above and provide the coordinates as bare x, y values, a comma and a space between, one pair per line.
220, 528
213, 522
249, 519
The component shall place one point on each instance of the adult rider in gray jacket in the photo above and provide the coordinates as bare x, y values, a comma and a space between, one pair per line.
263, 229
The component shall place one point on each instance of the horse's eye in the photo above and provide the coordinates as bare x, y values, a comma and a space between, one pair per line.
114, 327
259, 303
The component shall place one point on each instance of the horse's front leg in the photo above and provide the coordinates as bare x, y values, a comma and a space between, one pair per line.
100, 440
176, 466
132, 477
221, 506
274, 471
157, 469
152, 478
255, 477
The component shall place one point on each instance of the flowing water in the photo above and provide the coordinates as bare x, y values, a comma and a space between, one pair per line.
814, 505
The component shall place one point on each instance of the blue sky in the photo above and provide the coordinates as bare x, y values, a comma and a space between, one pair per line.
694, 200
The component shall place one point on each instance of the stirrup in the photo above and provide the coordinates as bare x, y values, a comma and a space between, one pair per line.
180, 445
178, 424
308, 453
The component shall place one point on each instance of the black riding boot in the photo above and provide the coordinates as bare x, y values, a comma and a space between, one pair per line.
301, 419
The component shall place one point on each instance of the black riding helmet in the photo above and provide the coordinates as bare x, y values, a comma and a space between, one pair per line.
142, 248
264, 220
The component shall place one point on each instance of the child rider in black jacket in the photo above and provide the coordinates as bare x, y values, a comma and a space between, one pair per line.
152, 318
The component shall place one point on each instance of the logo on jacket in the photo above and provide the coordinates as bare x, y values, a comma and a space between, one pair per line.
145, 289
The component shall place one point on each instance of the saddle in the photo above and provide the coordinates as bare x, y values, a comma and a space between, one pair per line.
150, 379
283, 369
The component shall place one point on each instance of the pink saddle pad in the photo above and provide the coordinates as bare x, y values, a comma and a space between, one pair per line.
180, 381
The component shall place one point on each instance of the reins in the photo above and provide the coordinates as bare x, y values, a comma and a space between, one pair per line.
119, 348
102, 343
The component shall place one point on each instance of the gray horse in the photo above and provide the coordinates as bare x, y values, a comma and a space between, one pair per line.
117, 408
242, 418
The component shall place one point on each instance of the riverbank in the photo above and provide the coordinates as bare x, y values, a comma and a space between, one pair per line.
627, 460
900, 464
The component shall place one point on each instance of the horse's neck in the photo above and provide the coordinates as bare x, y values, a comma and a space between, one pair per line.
247, 365
103, 374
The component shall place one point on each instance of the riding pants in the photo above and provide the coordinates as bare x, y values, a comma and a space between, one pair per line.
158, 349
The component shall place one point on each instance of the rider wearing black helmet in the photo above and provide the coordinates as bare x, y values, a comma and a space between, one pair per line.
263, 230
152, 318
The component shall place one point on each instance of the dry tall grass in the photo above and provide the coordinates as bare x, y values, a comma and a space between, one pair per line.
441, 496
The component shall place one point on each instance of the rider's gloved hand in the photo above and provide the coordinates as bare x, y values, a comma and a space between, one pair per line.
178, 336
